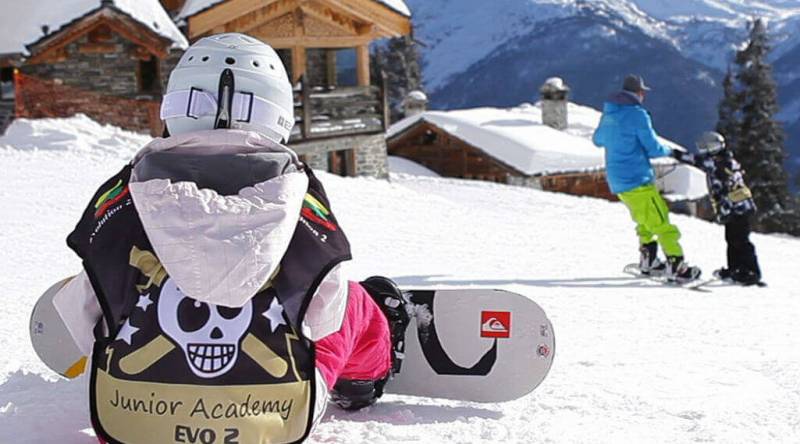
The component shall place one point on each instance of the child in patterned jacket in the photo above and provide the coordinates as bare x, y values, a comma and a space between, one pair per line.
733, 204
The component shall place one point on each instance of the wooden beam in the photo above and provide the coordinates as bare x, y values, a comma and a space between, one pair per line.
99, 48
257, 18
342, 21
362, 65
223, 13
389, 23
314, 42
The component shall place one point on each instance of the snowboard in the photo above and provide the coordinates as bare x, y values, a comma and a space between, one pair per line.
52, 340
695, 285
470, 345
474, 345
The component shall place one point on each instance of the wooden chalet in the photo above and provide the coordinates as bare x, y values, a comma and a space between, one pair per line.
112, 63
108, 62
448, 155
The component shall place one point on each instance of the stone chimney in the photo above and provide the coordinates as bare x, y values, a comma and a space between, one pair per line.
555, 97
416, 102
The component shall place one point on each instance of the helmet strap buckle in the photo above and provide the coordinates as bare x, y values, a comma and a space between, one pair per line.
224, 117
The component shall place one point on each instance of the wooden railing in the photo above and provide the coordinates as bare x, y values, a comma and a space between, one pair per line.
322, 112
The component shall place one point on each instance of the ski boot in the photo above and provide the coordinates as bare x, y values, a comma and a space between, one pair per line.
649, 263
723, 274
355, 395
679, 271
746, 278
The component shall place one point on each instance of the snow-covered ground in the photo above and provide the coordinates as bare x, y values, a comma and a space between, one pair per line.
636, 361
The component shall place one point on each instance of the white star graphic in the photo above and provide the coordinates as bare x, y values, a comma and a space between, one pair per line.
126, 332
274, 315
144, 301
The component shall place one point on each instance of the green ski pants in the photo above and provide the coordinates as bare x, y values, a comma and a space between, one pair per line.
651, 215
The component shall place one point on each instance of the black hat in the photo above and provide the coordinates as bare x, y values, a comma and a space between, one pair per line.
634, 83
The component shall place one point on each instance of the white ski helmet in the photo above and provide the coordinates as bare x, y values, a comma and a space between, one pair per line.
710, 142
229, 81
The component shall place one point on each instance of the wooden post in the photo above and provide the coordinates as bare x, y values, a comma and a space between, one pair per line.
362, 64
307, 111
299, 57
350, 158
298, 63
387, 118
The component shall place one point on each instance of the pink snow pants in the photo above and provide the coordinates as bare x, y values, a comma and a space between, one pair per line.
361, 349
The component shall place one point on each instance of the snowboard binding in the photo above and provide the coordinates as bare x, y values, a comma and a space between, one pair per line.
355, 395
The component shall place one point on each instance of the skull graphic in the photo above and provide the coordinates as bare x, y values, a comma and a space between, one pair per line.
209, 335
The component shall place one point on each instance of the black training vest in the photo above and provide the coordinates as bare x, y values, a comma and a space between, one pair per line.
172, 369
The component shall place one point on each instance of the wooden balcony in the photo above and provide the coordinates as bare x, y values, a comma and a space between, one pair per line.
326, 112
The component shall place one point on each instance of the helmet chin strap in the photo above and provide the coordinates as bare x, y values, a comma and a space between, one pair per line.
225, 100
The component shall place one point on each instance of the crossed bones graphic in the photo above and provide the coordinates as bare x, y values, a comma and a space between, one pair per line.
207, 359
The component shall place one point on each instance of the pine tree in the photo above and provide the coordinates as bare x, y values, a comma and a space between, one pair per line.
729, 110
757, 137
400, 60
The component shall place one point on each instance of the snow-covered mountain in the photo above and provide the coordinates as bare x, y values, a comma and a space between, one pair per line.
476, 55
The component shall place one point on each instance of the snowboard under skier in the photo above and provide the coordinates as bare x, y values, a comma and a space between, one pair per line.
212, 298
626, 132
733, 205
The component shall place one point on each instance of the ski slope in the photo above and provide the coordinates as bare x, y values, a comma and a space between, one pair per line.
636, 362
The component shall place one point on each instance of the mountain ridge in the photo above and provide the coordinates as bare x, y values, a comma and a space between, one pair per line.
682, 49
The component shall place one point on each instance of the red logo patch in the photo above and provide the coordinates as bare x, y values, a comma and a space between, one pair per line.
495, 324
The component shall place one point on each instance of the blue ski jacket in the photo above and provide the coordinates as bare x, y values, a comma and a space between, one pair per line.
626, 132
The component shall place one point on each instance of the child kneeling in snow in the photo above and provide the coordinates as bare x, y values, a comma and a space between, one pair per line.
733, 204
212, 276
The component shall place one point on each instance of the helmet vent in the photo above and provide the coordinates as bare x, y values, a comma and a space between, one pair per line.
230, 61
256, 63
272, 67
205, 58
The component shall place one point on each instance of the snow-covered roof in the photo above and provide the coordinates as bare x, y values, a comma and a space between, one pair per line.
23, 22
518, 138
193, 7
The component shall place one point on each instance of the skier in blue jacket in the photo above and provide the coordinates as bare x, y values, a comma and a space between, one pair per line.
626, 132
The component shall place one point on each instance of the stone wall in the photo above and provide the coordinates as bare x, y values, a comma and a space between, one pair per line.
370, 153
317, 160
37, 98
113, 73
372, 157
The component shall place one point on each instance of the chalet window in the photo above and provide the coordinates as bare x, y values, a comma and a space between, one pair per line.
149, 76
7, 83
